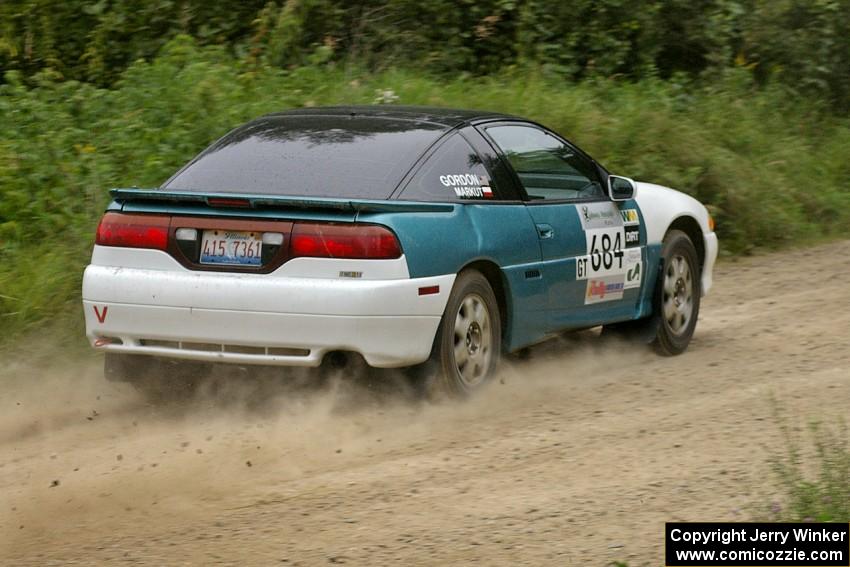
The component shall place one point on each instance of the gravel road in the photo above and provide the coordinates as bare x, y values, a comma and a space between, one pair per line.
577, 456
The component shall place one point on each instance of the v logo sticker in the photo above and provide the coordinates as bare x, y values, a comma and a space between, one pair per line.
101, 317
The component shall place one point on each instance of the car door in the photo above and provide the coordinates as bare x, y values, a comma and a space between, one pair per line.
490, 224
592, 248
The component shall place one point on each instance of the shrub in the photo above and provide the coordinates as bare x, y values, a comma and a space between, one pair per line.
816, 484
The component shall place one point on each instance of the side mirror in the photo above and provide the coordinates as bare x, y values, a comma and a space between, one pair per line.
621, 188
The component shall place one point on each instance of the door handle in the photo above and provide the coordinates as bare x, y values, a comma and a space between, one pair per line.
545, 231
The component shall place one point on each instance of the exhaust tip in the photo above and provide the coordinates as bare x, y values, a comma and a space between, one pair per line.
105, 341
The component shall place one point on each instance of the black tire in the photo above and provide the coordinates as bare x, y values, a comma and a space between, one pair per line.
469, 339
677, 295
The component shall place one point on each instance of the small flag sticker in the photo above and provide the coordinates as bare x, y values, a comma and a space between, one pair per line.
488, 193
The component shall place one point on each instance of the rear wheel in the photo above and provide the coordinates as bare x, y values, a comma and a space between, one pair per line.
468, 342
677, 298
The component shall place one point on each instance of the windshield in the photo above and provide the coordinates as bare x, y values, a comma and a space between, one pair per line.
317, 156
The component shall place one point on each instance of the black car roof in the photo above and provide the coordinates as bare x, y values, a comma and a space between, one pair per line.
447, 117
311, 151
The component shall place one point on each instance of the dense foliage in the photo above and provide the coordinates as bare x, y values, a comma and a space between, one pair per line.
773, 169
739, 102
801, 43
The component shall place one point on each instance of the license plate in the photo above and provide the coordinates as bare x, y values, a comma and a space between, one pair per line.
232, 247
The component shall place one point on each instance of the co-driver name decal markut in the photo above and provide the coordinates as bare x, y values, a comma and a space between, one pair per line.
468, 185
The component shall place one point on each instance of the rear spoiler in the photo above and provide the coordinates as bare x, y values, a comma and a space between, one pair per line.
278, 201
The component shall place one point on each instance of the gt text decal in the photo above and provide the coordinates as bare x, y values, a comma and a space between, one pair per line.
468, 186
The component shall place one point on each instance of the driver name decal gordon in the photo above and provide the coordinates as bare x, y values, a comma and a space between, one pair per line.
468, 185
613, 254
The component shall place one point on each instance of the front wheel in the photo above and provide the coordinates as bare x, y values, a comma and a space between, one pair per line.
468, 342
677, 296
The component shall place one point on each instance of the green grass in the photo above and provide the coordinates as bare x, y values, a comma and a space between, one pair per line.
772, 169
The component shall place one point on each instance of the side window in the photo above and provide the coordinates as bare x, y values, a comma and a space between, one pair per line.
547, 167
454, 172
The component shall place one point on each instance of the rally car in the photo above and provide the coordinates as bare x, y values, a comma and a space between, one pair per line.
398, 235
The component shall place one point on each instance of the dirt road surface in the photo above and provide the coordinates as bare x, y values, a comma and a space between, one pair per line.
577, 457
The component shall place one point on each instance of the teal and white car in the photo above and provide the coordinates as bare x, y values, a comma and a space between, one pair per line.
399, 235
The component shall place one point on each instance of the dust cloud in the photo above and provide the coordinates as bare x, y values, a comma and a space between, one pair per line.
76, 446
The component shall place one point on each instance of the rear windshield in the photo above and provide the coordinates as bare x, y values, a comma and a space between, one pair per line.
317, 156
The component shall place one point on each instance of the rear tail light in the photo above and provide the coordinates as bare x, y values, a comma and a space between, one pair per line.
133, 231
353, 241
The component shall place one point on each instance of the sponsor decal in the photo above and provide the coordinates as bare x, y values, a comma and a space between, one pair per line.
632, 235
604, 289
101, 315
468, 185
630, 216
633, 275
599, 215
634, 269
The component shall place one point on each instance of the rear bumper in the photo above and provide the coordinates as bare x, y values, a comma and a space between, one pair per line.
258, 337
261, 319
